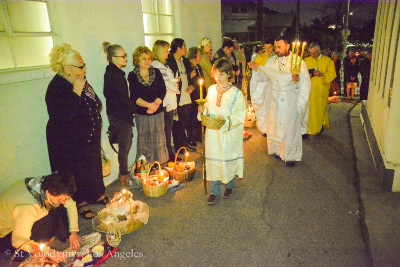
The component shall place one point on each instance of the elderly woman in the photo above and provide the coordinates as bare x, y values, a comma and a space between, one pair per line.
74, 127
205, 46
160, 52
147, 89
120, 109
31, 211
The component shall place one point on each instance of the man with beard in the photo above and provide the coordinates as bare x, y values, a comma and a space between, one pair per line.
288, 103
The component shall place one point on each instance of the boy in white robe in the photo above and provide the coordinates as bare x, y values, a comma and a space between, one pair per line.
224, 147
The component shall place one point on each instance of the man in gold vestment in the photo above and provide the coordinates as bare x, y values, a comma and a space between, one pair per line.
322, 72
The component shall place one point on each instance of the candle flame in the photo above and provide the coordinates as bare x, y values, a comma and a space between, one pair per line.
123, 191
201, 81
187, 154
41, 247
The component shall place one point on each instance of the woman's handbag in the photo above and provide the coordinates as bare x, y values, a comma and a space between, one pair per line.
112, 136
106, 164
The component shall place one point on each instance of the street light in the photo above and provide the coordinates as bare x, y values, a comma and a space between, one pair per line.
346, 31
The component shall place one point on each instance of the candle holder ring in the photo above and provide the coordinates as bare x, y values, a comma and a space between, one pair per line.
201, 102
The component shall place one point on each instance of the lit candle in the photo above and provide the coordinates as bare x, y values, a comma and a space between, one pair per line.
291, 62
297, 54
302, 50
201, 89
186, 156
41, 247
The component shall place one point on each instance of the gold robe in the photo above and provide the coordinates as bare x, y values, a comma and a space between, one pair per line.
318, 114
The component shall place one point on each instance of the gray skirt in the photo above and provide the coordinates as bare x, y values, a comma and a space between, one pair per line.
151, 137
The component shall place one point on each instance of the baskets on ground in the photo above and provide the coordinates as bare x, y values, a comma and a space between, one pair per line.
155, 185
185, 175
122, 213
212, 123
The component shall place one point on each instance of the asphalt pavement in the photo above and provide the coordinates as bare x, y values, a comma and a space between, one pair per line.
327, 210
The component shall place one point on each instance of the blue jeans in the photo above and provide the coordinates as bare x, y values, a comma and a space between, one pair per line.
125, 135
216, 187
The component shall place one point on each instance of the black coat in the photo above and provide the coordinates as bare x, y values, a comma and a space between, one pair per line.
73, 137
116, 93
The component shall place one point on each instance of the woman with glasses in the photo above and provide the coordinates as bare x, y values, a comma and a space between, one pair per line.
120, 109
74, 128
35, 210
147, 91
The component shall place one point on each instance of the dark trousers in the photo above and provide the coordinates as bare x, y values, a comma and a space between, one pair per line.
179, 127
125, 135
168, 122
364, 88
194, 125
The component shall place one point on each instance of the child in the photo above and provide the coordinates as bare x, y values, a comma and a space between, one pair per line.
224, 147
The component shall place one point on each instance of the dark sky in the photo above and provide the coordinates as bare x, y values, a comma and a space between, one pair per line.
309, 8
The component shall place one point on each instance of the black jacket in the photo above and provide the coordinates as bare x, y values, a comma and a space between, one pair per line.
116, 93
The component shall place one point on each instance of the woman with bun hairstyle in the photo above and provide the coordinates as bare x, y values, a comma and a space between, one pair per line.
74, 128
120, 109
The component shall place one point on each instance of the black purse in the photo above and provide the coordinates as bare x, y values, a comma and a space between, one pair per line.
112, 136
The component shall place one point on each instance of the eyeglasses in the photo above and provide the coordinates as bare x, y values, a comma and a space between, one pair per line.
79, 67
124, 56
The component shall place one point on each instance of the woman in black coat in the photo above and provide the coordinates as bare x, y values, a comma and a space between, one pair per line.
120, 109
74, 128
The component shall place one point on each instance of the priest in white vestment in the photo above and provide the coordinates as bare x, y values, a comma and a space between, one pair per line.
289, 103
224, 147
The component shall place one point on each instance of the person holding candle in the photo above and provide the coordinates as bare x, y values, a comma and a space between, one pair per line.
160, 52
288, 102
322, 73
260, 91
37, 209
224, 147
147, 89
182, 68
199, 92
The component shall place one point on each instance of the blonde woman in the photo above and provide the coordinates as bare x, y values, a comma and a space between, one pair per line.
147, 89
74, 128
160, 52
205, 46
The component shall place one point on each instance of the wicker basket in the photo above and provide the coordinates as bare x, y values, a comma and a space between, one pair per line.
106, 164
212, 123
137, 209
182, 177
155, 191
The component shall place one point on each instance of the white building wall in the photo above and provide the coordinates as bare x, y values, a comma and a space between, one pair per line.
85, 24
385, 87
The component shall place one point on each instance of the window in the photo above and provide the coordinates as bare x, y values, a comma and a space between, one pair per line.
157, 21
26, 38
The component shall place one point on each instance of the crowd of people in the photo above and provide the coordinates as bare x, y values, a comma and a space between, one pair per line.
158, 97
